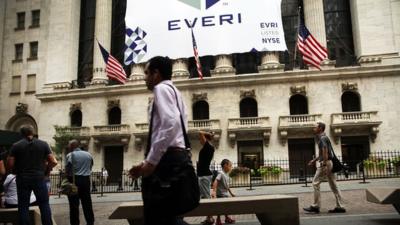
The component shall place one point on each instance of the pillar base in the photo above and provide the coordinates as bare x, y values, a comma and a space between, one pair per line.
99, 82
271, 67
223, 70
328, 64
382, 59
177, 75
61, 86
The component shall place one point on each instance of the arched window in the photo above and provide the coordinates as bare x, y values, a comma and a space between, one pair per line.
201, 110
114, 116
298, 105
351, 102
76, 118
248, 108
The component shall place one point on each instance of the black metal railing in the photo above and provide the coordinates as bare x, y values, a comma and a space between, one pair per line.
269, 172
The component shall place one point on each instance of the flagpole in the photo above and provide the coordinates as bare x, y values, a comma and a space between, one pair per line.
297, 36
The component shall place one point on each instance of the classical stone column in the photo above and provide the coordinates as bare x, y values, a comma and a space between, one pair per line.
137, 72
103, 35
63, 37
223, 64
270, 62
314, 17
180, 68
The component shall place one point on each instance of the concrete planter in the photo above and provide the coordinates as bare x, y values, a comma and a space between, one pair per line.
272, 178
241, 179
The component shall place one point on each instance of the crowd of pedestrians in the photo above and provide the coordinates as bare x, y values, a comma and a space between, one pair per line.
25, 168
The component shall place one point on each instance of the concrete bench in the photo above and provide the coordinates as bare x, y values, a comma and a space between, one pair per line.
384, 196
8, 216
269, 209
11, 215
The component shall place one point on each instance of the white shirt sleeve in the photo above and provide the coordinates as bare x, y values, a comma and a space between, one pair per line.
167, 130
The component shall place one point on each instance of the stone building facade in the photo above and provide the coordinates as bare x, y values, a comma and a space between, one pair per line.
259, 107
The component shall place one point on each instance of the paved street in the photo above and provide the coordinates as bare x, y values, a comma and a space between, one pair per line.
359, 210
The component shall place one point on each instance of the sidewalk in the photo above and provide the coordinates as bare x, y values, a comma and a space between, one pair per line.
359, 211
258, 190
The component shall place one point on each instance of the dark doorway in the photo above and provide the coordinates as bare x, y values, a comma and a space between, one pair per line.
76, 118
113, 162
248, 108
201, 110
301, 151
355, 150
250, 154
114, 116
298, 105
351, 102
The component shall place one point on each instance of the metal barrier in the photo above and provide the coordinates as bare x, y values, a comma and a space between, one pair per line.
270, 172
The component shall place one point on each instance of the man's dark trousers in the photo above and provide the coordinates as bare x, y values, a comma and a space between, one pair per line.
25, 186
83, 184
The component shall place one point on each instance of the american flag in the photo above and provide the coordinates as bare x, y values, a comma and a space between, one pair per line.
196, 56
313, 52
113, 67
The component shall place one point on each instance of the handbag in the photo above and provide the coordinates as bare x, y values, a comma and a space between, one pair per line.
66, 187
337, 166
173, 188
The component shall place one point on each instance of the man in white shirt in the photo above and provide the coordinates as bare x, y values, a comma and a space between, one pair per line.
166, 143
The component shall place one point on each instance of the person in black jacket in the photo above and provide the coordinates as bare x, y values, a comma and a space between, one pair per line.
203, 168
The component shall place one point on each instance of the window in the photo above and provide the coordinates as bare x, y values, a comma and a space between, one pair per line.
339, 33
118, 34
290, 20
201, 111
86, 41
35, 18
34, 50
114, 116
298, 105
76, 118
351, 102
248, 108
246, 62
16, 85
207, 64
20, 21
18, 52
31, 83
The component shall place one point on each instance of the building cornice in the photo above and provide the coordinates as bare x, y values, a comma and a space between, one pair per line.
228, 81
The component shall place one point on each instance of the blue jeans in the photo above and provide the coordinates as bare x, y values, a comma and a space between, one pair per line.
25, 186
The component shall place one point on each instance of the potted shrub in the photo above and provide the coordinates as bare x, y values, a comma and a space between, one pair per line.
271, 174
240, 176
374, 166
396, 164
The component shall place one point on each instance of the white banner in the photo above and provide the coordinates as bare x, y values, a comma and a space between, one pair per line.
162, 27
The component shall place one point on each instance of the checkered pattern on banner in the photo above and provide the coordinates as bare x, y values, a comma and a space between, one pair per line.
135, 46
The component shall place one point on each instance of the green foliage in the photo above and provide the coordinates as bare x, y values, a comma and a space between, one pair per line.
270, 170
372, 162
396, 161
61, 138
239, 170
